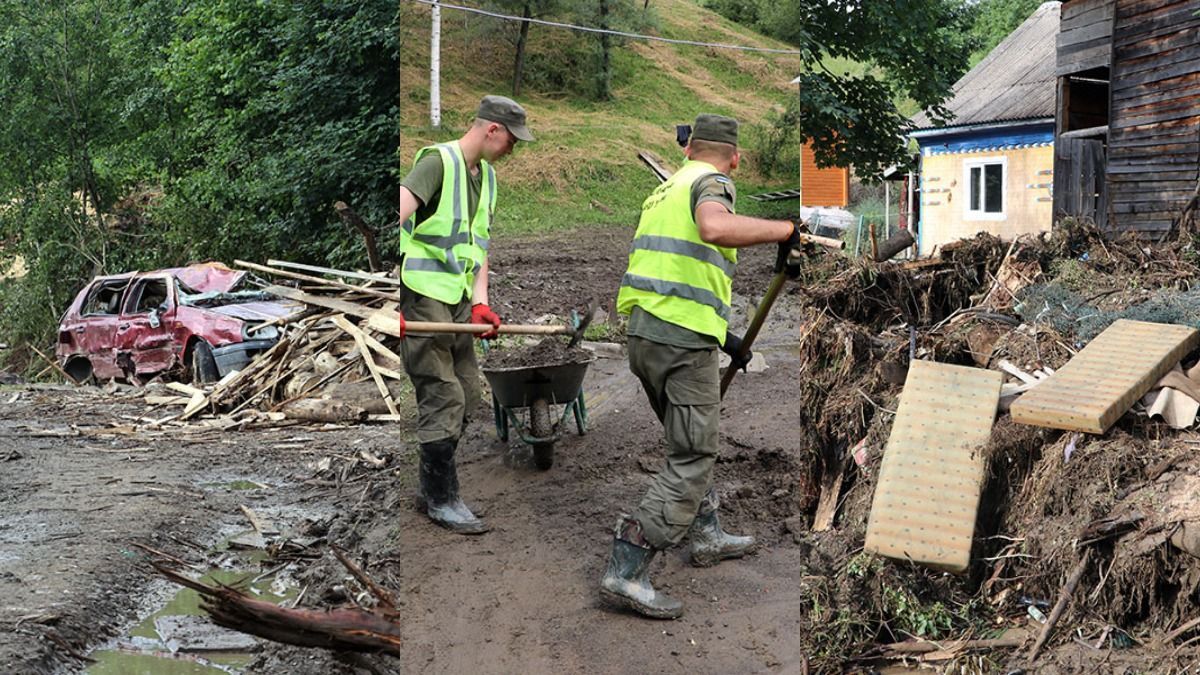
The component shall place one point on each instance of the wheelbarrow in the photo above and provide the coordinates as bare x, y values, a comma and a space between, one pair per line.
538, 389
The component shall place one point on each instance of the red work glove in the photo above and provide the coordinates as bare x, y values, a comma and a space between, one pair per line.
403, 324
481, 313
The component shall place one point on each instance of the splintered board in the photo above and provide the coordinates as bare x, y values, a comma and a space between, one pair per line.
1104, 380
932, 471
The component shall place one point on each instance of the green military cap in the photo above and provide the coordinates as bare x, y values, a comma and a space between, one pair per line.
717, 128
507, 112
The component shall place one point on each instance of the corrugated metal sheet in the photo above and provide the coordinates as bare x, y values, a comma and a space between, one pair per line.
823, 187
1015, 81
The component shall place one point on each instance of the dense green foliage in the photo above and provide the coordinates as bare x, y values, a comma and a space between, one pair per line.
144, 133
911, 50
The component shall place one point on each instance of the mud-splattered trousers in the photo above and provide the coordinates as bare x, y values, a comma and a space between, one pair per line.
684, 389
442, 367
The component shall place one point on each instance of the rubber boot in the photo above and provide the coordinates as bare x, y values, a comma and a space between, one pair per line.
709, 543
439, 487
626, 582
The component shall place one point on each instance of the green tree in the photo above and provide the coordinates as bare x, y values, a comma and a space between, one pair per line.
290, 106
527, 9
147, 133
912, 50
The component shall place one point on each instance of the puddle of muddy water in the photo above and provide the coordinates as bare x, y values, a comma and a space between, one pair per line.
180, 639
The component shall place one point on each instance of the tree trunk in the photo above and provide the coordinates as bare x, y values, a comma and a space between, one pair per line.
519, 64
605, 82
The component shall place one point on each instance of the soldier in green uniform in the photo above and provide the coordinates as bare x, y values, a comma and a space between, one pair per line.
677, 292
446, 206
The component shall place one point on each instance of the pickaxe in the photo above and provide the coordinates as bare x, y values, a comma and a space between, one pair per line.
760, 315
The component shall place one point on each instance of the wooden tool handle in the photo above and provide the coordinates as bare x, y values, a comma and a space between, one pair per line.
385, 322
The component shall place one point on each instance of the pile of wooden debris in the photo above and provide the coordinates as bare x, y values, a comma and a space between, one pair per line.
334, 362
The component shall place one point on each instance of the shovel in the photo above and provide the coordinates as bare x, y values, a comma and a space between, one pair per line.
384, 321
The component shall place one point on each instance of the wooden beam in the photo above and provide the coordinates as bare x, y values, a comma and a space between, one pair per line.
318, 280
336, 272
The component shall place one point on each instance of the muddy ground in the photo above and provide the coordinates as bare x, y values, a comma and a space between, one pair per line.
83, 482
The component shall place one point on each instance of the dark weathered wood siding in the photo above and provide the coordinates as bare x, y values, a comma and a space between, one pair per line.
1085, 36
1154, 127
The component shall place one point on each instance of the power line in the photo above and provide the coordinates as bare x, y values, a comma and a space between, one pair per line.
589, 29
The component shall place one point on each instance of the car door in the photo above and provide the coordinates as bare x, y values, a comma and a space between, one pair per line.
145, 330
93, 333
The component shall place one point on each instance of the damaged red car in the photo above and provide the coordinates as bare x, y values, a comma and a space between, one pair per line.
188, 322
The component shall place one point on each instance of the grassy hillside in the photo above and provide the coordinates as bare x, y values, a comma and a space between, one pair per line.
586, 151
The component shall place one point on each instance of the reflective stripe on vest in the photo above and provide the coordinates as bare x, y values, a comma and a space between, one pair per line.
673, 274
441, 256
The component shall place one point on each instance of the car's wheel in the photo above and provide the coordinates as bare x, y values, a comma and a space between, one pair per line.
201, 364
80, 371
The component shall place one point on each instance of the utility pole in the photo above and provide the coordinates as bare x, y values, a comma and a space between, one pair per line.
435, 66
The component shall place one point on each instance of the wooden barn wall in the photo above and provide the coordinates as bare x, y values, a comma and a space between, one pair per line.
822, 187
1084, 36
1154, 128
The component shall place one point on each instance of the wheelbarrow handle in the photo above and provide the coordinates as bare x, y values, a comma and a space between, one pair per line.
385, 322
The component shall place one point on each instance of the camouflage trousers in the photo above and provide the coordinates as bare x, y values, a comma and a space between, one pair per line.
443, 368
684, 389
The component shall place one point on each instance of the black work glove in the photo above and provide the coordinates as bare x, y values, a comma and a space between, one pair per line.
783, 261
733, 345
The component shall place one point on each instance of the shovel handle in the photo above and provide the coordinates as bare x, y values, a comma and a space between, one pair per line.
755, 324
385, 322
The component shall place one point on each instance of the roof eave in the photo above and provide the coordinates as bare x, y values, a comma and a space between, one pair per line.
926, 132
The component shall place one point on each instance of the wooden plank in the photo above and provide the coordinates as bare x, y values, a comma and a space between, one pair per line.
384, 320
1104, 379
304, 277
1180, 86
364, 352
336, 272
1122, 83
1125, 64
1133, 26
927, 495
655, 165
1085, 11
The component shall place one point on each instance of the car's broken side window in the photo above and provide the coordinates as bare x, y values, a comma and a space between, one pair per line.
106, 299
151, 295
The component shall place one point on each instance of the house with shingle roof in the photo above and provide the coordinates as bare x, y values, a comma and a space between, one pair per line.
990, 167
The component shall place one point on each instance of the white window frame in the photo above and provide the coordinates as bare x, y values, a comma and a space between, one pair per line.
980, 162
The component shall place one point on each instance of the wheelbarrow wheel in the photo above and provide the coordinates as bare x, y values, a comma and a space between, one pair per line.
539, 427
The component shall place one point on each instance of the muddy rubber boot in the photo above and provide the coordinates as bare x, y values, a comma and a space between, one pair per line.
439, 486
626, 582
710, 544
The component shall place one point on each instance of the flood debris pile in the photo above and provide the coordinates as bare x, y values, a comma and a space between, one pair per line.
1113, 512
328, 365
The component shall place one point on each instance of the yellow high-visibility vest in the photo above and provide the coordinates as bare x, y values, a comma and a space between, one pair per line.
443, 253
673, 274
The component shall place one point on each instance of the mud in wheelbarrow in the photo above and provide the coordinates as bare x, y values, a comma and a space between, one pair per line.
537, 390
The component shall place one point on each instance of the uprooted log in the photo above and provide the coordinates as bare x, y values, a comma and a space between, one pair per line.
895, 244
348, 629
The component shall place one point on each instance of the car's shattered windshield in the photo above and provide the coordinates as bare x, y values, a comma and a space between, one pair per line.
193, 298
